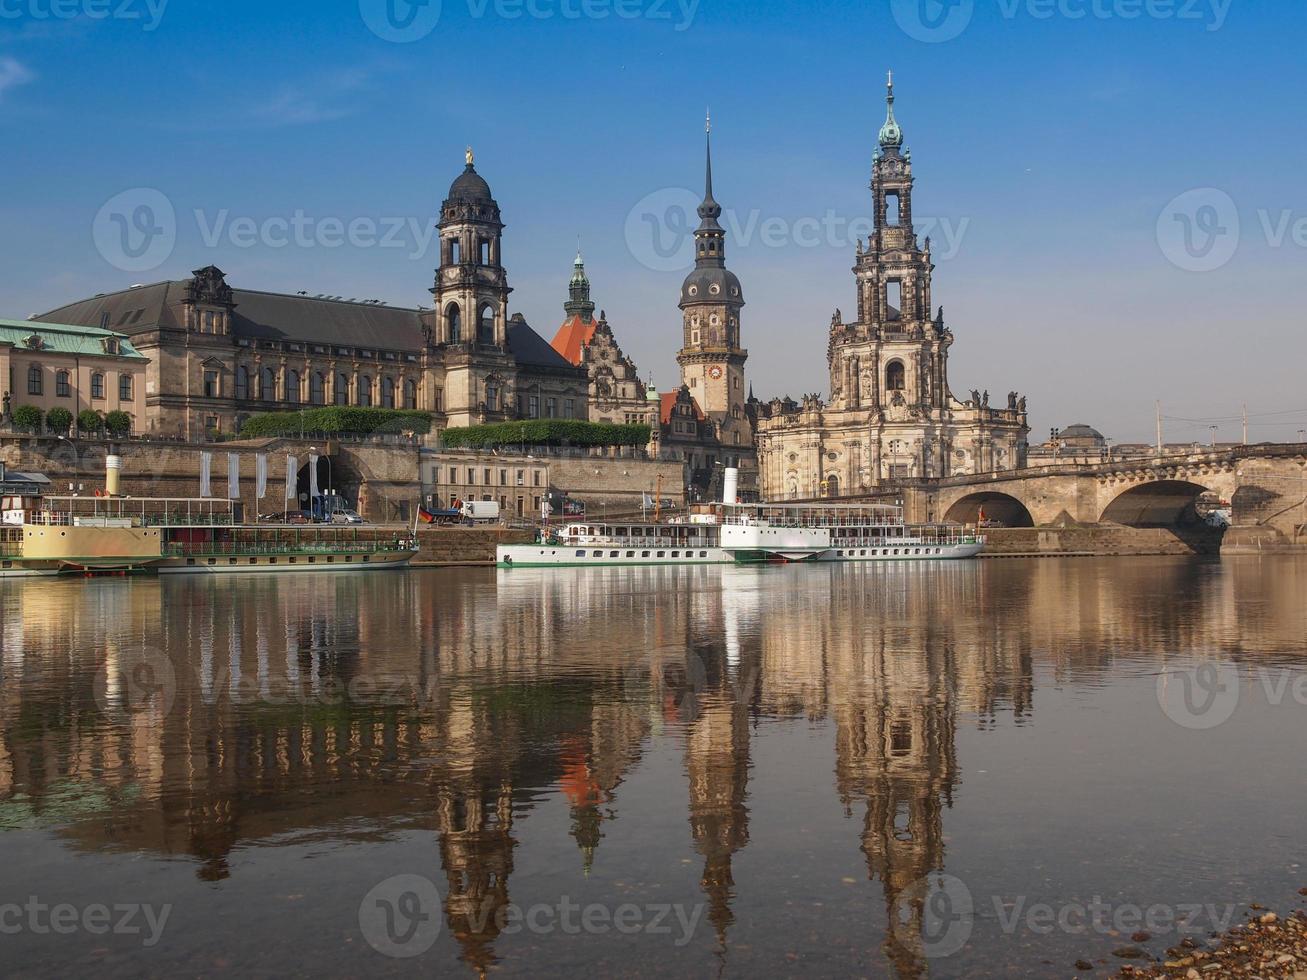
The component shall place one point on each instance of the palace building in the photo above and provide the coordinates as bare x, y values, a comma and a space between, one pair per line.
616, 393
219, 353
891, 415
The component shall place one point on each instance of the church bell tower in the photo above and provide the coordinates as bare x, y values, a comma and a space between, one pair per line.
711, 357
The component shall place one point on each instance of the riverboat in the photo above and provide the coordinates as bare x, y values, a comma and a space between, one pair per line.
102, 535
731, 533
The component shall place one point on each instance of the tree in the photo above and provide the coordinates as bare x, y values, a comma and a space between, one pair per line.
118, 424
28, 417
60, 420
89, 421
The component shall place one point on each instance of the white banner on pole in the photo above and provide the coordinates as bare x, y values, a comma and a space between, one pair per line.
206, 473
233, 477
292, 477
313, 477
261, 475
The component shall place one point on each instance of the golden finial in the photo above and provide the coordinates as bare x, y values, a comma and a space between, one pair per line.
469, 156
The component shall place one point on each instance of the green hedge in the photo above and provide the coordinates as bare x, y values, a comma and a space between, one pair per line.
547, 432
337, 419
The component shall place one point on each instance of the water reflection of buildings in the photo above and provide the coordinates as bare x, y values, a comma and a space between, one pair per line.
475, 700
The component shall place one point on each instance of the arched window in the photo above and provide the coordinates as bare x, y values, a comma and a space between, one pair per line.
453, 324
410, 394
292, 386
318, 388
242, 382
62, 387
895, 377
365, 391
268, 385
388, 392
342, 389
35, 385
486, 326
97, 385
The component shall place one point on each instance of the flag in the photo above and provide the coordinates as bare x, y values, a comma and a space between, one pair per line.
313, 476
261, 475
233, 477
980, 518
425, 516
292, 477
206, 471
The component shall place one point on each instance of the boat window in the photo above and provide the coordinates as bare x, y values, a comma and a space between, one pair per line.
662, 554
613, 554
676, 554
597, 554
703, 554
630, 554
581, 553
644, 554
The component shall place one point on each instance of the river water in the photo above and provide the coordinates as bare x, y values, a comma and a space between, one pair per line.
966, 769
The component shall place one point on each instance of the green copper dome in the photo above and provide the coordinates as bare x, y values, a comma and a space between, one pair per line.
890, 134
578, 272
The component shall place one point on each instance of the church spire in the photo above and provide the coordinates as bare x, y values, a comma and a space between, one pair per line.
578, 290
891, 135
710, 239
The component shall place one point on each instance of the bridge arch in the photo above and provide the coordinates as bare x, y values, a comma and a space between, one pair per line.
1163, 503
1001, 507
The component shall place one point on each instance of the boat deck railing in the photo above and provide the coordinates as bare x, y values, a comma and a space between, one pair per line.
251, 549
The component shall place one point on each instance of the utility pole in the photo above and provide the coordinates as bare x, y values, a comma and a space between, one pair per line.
1159, 429
1245, 423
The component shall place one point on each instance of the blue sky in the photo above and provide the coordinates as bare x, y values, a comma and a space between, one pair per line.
1063, 150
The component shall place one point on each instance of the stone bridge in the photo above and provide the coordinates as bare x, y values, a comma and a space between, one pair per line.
1266, 485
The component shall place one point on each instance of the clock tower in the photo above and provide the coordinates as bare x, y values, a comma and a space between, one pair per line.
711, 358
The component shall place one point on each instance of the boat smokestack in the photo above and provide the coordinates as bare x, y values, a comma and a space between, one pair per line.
113, 467
731, 486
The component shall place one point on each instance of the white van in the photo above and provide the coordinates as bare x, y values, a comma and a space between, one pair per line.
481, 511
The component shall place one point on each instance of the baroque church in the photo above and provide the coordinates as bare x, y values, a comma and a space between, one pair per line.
891, 415
219, 353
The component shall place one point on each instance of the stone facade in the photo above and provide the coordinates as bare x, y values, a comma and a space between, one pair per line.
891, 415
517, 483
218, 354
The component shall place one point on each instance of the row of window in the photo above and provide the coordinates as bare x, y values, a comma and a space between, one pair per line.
487, 477
267, 386
63, 384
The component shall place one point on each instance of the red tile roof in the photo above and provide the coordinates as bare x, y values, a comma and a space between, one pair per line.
573, 337
667, 402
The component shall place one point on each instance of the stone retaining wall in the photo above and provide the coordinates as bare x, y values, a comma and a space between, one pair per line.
1014, 542
465, 545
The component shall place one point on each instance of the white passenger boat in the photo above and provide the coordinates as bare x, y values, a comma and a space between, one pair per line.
730, 533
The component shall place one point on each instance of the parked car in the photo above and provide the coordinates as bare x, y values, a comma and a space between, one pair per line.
347, 517
289, 517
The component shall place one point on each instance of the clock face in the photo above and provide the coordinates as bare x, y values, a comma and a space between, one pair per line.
715, 373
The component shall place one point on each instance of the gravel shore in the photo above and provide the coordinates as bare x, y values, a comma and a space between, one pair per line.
1269, 947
